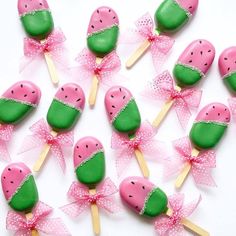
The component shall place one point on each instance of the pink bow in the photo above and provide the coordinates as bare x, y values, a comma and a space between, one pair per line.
232, 105
143, 140
172, 225
42, 135
162, 88
82, 199
104, 71
5, 136
23, 227
201, 166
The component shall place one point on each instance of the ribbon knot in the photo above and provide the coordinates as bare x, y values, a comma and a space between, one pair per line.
97, 71
82, 199
42, 135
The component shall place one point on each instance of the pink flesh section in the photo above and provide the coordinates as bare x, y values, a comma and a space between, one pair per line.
189, 5
134, 190
12, 178
116, 99
102, 18
84, 148
24, 91
216, 112
227, 61
199, 54
72, 95
26, 6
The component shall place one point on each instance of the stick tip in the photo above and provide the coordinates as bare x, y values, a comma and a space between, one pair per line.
128, 64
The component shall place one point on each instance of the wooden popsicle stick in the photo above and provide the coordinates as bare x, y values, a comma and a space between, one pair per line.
137, 54
39, 163
164, 110
34, 232
94, 88
184, 173
191, 226
51, 67
95, 215
142, 163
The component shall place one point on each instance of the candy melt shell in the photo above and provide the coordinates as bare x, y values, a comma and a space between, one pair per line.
66, 107
18, 101
19, 187
173, 14
210, 125
227, 67
36, 18
194, 62
122, 110
143, 197
89, 161
103, 31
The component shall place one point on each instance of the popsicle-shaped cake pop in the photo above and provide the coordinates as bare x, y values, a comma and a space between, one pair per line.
38, 23
207, 131
192, 65
16, 103
170, 16
144, 198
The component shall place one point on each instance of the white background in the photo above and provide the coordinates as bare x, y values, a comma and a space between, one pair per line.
215, 21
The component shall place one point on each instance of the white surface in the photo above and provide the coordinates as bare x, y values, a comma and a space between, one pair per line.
214, 21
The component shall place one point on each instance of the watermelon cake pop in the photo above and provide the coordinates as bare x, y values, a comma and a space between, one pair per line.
144, 198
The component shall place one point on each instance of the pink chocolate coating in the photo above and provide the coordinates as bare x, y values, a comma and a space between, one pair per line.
72, 95
188, 5
24, 91
84, 148
27, 6
216, 112
134, 190
199, 54
227, 61
116, 99
12, 177
102, 18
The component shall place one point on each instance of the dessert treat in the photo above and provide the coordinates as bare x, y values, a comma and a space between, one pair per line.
144, 198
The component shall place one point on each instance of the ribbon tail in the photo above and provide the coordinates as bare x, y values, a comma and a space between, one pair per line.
109, 204
74, 209
232, 105
4, 154
122, 162
23, 232
30, 142
57, 152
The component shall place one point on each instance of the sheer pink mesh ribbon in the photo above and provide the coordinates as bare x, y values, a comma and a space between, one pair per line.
42, 135
163, 88
143, 140
87, 66
82, 199
5, 136
201, 166
172, 225
22, 226
54, 44
232, 105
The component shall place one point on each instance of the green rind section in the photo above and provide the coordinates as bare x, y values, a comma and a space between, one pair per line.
62, 117
12, 112
230, 82
129, 119
170, 16
206, 135
92, 171
38, 24
104, 42
26, 197
156, 203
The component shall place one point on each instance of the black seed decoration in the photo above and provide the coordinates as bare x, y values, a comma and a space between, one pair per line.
111, 113
66, 96
201, 52
130, 196
114, 17
80, 156
109, 10
76, 89
78, 100
190, 7
190, 61
92, 26
200, 41
218, 114
143, 187
7, 191
26, 6
12, 182
86, 145
9, 169
191, 53
113, 106
136, 207
132, 182
77, 146
21, 85
225, 58
124, 97
205, 64
209, 50
98, 11
225, 109
112, 96
207, 113
96, 144
33, 91
120, 89
101, 21
25, 95
4, 177
228, 68
20, 171
40, 4
12, 91
62, 89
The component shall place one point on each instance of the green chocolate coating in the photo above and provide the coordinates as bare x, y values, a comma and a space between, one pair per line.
104, 42
186, 76
156, 203
92, 171
26, 197
62, 117
206, 135
170, 16
12, 112
230, 82
128, 120
38, 24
